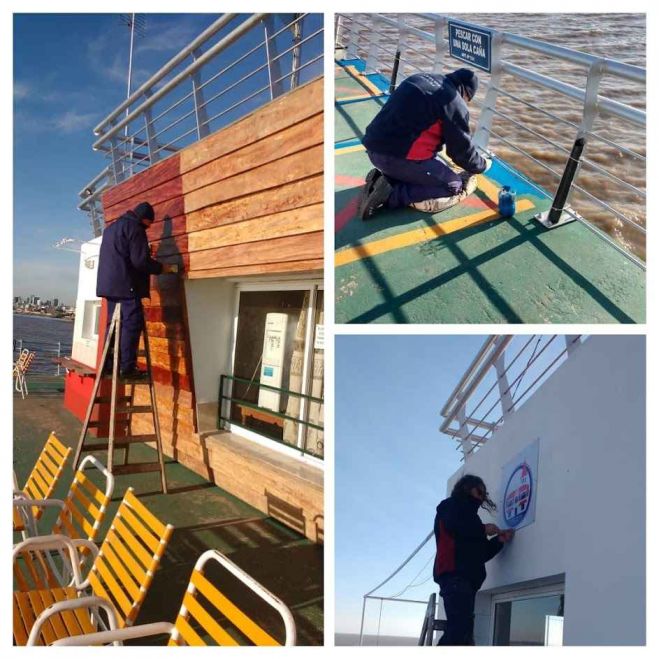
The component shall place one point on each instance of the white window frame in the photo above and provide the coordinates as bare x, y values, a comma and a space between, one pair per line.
532, 592
290, 284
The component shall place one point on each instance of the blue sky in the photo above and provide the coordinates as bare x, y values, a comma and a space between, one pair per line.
392, 463
69, 72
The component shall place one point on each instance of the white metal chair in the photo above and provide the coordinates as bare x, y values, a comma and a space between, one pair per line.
198, 620
21, 366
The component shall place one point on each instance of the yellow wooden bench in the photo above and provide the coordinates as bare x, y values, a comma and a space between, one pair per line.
43, 479
206, 616
118, 582
80, 517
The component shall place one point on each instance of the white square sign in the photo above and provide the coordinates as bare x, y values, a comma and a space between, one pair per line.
519, 488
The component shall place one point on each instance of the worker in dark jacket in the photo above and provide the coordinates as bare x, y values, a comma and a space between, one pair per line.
124, 270
463, 549
425, 113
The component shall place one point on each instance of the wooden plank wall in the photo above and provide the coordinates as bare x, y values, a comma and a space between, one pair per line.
247, 200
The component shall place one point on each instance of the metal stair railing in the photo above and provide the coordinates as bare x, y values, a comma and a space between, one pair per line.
160, 117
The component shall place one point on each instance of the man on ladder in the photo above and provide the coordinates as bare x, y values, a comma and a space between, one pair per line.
124, 270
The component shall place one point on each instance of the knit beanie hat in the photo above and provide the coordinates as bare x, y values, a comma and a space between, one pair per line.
465, 81
144, 211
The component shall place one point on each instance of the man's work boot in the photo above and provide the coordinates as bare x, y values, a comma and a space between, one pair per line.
376, 198
469, 183
371, 178
439, 204
134, 374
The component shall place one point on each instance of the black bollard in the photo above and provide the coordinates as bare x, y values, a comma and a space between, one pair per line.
566, 181
394, 73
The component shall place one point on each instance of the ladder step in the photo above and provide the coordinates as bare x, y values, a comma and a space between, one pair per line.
104, 423
119, 442
134, 409
136, 468
108, 400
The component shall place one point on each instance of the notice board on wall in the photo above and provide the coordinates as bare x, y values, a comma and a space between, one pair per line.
519, 488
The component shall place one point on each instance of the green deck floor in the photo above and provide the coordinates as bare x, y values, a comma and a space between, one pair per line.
205, 517
405, 266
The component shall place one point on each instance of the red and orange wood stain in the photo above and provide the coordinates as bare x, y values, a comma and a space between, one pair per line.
247, 200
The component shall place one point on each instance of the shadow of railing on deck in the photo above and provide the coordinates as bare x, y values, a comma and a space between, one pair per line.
284, 562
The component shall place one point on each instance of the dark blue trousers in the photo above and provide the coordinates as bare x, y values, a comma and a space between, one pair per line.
459, 597
132, 323
416, 180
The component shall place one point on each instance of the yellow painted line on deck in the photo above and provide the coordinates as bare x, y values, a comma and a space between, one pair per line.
416, 236
363, 80
349, 149
358, 97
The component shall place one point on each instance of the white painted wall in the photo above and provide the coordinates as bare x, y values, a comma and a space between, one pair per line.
210, 304
84, 350
590, 507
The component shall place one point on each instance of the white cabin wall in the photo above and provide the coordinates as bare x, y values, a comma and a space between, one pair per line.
210, 306
590, 506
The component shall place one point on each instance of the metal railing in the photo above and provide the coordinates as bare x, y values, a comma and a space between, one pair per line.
254, 59
505, 372
237, 410
377, 38
45, 355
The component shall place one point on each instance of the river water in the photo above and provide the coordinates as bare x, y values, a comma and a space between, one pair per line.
615, 36
41, 334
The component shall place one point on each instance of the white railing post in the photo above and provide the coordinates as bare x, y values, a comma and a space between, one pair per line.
482, 134
201, 115
352, 51
373, 40
402, 42
151, 144
440, 44
507, 403
572, 342
463, 431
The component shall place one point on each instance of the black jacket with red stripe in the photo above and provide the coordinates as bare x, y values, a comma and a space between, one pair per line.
462, 546
425, 112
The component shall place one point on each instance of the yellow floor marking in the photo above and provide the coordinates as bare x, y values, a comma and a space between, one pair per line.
358, 97
424, 234
363, 80
349, 149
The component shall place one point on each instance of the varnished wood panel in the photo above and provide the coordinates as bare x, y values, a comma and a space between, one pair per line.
285, 111
302, 192
278, 250
271, 175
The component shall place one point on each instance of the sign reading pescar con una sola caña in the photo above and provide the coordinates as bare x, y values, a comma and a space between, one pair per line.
519, 488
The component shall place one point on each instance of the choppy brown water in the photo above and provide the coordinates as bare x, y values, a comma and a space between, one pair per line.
615, 36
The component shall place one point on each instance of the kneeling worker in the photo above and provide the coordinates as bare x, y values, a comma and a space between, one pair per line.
124, 268
426, 112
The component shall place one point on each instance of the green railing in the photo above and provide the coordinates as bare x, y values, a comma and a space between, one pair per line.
264, 418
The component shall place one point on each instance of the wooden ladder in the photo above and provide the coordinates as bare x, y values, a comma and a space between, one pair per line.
125, 407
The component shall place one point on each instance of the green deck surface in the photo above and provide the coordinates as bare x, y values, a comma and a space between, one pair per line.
496, 271
204, 517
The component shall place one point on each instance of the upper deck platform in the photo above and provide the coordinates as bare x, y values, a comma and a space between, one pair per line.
466, 264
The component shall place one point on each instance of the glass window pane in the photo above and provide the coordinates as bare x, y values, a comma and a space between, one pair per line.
314, 441
529, 621
269, 359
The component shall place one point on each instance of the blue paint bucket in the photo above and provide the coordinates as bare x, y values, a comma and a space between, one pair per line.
507, 201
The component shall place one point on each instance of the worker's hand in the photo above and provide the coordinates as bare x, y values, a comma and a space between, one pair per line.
507, 535
488, 164
170, 267
492, 529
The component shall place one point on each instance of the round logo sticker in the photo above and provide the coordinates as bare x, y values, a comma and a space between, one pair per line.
517, 496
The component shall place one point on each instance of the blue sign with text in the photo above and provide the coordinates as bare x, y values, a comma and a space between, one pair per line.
470, 45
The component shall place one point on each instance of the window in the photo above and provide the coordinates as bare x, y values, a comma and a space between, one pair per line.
531, 620
278, 365
90, 319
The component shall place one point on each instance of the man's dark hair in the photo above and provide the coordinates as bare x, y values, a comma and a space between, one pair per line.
464, 486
